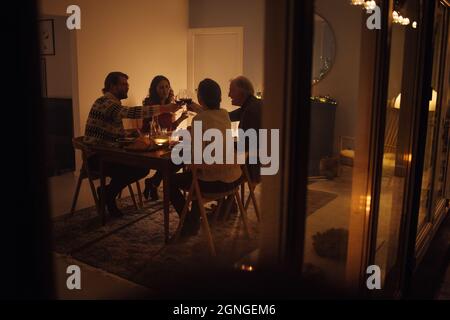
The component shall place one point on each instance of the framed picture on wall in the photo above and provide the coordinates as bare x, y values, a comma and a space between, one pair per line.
47, 37
43, 78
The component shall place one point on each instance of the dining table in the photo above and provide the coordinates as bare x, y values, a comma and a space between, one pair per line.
158, 158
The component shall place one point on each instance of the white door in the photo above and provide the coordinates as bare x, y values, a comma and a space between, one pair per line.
215, 53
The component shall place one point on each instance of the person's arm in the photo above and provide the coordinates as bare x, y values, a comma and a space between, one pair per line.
139, 112
177, 122
194, 107
252, 118
235, 115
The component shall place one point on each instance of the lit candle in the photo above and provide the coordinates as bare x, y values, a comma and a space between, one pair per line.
160, 140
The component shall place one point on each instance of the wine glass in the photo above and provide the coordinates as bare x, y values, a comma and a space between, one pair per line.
185, 96
155, 129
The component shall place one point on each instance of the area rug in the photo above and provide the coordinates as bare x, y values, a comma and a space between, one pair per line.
317, 199
133, 247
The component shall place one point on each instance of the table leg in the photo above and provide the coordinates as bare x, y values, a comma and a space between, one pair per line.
166, 202
102, 193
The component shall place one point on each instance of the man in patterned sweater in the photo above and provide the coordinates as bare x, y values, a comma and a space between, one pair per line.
104, 126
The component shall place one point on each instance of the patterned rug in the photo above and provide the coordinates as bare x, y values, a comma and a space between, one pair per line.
317, 199
133, 247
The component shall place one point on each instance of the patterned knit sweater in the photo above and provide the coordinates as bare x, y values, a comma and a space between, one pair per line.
104, 124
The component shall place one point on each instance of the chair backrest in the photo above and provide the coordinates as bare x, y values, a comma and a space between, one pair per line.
214, 196
86, 153
78, 143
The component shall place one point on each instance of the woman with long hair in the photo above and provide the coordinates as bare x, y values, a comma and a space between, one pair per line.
159, 92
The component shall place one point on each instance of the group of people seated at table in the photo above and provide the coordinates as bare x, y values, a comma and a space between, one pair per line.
104, 126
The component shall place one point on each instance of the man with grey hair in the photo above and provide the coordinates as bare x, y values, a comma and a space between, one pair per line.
242, 94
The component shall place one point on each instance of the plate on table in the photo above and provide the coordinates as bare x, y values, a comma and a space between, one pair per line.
125, 141
132, 133
142, 144
135, 148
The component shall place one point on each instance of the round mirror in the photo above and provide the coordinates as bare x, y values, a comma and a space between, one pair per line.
324, 49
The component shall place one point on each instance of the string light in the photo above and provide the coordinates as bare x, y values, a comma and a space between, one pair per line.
396, 16
370, 5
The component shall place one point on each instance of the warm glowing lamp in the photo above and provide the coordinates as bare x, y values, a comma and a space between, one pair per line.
397, 101
431, 106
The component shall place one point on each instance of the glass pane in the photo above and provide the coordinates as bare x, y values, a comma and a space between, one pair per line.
392, 181
432, 154
443, 121
334, 132
132, 242
396, 155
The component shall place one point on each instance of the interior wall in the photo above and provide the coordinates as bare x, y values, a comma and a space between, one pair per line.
248, 14
135, 38
58, 66
342, 81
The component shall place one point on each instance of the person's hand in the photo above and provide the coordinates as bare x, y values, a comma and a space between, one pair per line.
194, 107
170, 108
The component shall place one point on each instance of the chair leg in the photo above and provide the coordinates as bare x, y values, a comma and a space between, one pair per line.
227, 210
94, 194
133, 197
243, 212
75, 197
205, 224
183, 213
217, 210
247, 202
253, 198
207, 230
138, 187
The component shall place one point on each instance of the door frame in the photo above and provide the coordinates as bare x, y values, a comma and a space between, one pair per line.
287, 83
193, 32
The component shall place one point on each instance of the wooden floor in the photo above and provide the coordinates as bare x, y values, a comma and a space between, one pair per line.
96, 283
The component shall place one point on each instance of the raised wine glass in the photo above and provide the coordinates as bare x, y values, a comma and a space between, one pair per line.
185, 97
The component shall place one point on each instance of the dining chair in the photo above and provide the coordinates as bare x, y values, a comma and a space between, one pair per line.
251, 197
139, 193
194, 193
91, 176
251, 187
